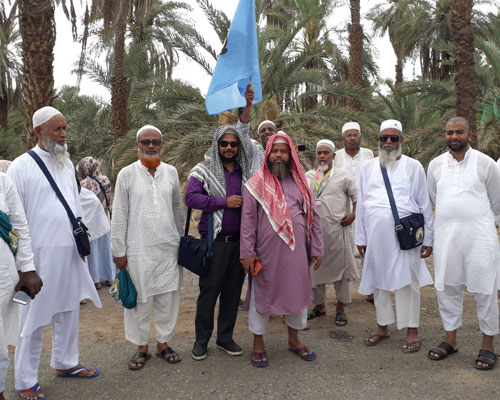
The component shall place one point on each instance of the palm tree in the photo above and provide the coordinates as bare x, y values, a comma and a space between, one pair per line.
355, 49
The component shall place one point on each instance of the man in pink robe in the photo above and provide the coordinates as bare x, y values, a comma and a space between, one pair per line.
281, 230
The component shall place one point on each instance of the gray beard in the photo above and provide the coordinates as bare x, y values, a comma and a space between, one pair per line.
280, 171
57, 151
388, 158
323, 167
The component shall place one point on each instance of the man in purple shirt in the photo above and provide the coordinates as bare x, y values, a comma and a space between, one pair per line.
215, 186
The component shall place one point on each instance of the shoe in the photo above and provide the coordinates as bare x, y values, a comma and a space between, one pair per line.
231, 348
199, 351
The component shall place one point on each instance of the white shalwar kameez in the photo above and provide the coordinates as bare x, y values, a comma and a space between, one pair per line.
10, 203
466, 250
386, 267
66, 279
147, 224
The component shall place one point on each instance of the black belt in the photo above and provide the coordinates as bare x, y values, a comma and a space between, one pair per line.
224, 238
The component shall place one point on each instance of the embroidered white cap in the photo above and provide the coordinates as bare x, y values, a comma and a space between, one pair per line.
42, 115
326, 142
265, 123
391, 123
351, 125
145, 128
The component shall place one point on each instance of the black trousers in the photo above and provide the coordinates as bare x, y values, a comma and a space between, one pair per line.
224, 281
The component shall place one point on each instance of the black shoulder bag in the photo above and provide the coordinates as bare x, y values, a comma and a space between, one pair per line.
79, 228
194, 254
410, 229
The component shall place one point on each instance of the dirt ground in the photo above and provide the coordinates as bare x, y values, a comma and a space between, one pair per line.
344, 368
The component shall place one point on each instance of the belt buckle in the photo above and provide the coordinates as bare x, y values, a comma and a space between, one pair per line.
227, 238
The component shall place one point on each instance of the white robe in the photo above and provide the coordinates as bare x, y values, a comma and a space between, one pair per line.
352, 164
147, 224
467, 197
94, 215
386, 266
66, 279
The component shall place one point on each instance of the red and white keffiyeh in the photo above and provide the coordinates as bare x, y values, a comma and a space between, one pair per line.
267, 190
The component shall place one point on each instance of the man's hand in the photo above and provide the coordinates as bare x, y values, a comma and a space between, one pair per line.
120, 262
361, 250
348, 219
32, 281
425, 251
248, 264
249, 94
234, 201
316, 261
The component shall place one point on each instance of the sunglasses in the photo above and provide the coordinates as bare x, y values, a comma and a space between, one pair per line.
225, 143
394, 138
147, 142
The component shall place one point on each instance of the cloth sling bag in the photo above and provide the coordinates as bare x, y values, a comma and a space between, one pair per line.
103, 192
194, 254
79, 229
410, 229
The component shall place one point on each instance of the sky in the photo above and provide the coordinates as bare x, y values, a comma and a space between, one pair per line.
67, 52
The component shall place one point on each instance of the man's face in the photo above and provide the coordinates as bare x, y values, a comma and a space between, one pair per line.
54, 130
149, 144
325, 156
280, 154
351, 139
390, 139
228, 147
265, 132
457, 135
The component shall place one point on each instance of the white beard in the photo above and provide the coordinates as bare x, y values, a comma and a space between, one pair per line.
388, 158
323, 167
58, 151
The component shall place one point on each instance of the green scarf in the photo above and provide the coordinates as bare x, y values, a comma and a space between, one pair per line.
7, 233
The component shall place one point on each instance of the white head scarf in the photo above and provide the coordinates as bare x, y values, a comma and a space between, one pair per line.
146, 127
264, 123
391, 123
326, 142
42, 115
351, 125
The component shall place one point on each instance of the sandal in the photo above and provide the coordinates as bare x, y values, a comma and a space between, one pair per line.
304, 352
315, 313
34, 389
378, 339
412, 347
340, 319
136, 365
169, 355
259, 360
487, 357
441, 355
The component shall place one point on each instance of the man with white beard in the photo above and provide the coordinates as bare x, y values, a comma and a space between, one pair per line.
66, 278
387, 268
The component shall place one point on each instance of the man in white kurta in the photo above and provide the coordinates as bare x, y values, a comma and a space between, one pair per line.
334, 190
464, 185
12, 268
65, 276
387, 268
147, 224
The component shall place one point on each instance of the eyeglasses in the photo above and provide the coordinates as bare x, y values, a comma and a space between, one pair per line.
394, 138
225, 143
147, 142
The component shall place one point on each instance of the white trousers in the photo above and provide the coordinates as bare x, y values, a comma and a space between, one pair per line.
64, 348
407, 301
342, 292
451, 301
4, 366
137, 320
257, 323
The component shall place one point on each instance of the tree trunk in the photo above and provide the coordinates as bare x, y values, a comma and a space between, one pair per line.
399, 69
38, 31
463, 51
355, 71
119, 93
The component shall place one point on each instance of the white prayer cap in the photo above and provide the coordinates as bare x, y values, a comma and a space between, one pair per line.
145, 128
391, 123
326, 142
42, 115
349, 126
264, 123
279, 140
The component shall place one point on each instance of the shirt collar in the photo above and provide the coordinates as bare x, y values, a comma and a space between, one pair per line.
466, 157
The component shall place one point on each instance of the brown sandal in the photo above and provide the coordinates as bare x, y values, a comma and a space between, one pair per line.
169, 355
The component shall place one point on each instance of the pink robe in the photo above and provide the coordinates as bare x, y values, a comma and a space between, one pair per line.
283, 286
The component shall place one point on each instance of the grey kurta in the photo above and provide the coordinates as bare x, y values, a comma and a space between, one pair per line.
339, 190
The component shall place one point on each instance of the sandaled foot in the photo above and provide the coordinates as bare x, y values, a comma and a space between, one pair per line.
441, 352
79, 371
259, 359
485, 360
169, 355
412, 347
33, 392
375, 338
340, 319
138, 360
315, 313
304, 352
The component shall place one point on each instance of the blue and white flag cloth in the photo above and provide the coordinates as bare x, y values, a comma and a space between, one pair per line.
237, 63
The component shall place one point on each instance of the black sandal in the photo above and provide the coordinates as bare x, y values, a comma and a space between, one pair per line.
135, 365
315, 313
341, 319
441, 355
173, 356
487, 357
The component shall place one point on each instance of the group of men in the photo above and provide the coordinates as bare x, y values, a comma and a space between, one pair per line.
292, 232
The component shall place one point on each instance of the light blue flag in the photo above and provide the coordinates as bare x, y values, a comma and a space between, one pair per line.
237, 63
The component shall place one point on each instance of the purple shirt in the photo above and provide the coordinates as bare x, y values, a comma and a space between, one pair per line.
197, 197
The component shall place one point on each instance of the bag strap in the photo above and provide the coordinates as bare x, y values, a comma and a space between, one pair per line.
210, 233
102, 190
46, 172
388, 187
